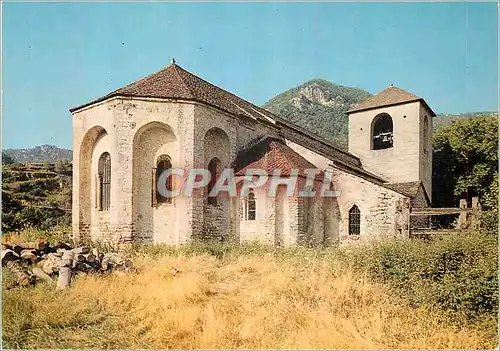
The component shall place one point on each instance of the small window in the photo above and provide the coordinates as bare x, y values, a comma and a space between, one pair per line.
382, 132
354, 221
250, 206
162, 164
104, 182
214, 169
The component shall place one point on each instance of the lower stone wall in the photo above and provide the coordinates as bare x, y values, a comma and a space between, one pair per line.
377, 205
315, 230
216, 221
262, 229
293, 217
165, 228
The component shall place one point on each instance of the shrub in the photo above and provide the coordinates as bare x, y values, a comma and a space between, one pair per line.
457, 274
53, 235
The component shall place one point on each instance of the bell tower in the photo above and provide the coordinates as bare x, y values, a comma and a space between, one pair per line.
391, 133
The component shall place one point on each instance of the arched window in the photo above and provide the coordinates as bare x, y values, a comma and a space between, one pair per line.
163, 163
104, 182
382, 131
426, 133
250, 206
214, 169
354, 221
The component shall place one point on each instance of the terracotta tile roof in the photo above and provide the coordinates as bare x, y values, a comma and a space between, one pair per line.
174, 82
389, 96
270, 154
409, 189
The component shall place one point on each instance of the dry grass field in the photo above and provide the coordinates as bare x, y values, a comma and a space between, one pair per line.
294, 299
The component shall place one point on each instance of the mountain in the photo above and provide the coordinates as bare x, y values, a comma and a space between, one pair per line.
319, 106
39, 154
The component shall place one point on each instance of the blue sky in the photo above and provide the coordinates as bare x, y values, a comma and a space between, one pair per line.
59, 55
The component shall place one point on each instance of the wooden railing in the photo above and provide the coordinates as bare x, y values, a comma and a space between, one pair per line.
468, 218
431, 211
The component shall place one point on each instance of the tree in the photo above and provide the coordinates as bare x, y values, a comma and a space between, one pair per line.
6, 159
466, 161
62, 166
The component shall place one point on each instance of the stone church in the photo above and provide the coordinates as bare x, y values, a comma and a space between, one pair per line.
175, 119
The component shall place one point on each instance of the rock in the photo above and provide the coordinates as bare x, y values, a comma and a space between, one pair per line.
22, 276
61, 245
51, 264
128, 264
8, 255
79, 258
17, 249
105, 265
29, 255
40, 274
81, 250
90, 257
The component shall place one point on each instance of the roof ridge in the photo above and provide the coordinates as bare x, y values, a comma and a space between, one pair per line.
230, 96
203, 80
176, 68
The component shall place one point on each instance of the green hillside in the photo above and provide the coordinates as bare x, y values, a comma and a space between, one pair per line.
35, 195
445, 119
319, 106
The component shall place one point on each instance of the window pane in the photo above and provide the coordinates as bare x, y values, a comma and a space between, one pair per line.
251, 207
354, 221
104, 170
163, 164
251, 215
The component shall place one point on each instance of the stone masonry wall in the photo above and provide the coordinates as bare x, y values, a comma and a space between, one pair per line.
150, 129
399, 163
426, 150
121, 119
100, 219
262, 229
376, 203
221, 135
137, 131
88, 126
